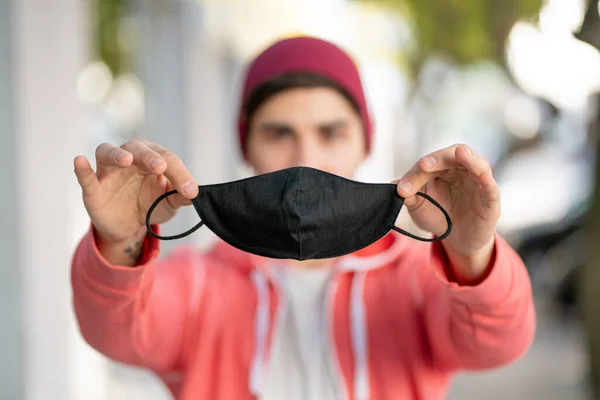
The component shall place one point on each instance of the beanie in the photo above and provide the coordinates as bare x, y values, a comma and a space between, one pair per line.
305, 54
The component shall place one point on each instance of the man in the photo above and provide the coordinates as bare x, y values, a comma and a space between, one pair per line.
394, 320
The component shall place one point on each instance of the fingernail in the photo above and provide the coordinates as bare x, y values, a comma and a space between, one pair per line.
154, 163
429, 161
406, 187
189, 188
469, 150
120, 154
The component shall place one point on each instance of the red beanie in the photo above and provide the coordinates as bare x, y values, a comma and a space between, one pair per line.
305, 54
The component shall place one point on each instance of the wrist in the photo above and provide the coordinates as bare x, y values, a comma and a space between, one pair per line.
124, 252
471, 269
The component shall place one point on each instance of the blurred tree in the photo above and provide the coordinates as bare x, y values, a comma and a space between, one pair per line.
589, 282
466, 30
590, 29
107, 18
590, 278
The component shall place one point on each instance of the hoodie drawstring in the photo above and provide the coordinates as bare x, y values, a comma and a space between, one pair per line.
261, 326
359, 337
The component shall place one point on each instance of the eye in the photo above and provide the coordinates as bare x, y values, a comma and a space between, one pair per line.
280, 133
277, 133
332, 133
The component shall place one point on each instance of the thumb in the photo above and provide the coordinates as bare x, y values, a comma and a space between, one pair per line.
86, 176
406, 189
178, 200
405, 186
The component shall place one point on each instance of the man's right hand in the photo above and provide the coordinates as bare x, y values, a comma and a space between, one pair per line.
117, 196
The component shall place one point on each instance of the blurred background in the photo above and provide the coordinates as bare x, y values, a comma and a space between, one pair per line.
518, 80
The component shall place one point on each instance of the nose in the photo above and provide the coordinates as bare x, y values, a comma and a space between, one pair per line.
308, 154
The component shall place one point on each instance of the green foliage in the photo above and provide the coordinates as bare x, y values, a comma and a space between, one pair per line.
107, 17
466, 30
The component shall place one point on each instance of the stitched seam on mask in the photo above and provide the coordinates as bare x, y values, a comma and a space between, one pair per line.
299, 216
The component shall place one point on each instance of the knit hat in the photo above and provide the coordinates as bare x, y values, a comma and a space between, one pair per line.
305, 54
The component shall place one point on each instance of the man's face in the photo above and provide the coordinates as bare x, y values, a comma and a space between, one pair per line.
310, 127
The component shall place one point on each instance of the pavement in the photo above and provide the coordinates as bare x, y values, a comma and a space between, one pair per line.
555, 368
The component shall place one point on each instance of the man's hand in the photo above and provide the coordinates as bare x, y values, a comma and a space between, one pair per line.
462, 182
126, 182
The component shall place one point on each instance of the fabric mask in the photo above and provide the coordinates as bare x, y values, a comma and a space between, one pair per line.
298, 213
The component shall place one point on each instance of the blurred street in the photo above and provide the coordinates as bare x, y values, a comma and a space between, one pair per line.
554, 369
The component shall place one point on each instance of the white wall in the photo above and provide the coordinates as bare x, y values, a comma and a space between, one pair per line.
11, 373
43, 46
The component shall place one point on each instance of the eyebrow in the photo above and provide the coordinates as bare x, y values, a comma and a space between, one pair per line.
281, 126
339, 123
275, 126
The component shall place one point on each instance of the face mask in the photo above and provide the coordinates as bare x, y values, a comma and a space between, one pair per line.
298, 213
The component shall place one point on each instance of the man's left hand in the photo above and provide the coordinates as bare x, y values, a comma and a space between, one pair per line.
462, 182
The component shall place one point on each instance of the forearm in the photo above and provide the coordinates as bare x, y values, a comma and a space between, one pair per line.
469, 335
486, 324
104, 298
117, 306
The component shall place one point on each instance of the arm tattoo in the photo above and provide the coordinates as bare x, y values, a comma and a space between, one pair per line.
134, 250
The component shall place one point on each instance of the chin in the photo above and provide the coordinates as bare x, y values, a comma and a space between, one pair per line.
322, 263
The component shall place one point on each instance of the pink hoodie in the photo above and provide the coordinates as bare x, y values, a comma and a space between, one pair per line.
398, 326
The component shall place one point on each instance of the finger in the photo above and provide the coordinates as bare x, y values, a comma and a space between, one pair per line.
108, 155
491, 190
176, 172
481, 171
472, 162
439, 161
488, 186
478, 167
423, 171
427, 168
146, 159
86, 176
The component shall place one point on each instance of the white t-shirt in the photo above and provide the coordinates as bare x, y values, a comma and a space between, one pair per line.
299, 361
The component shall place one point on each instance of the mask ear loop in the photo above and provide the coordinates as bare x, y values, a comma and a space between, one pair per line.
435, 239
173, 237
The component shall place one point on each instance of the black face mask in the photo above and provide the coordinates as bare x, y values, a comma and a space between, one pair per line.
298, 213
